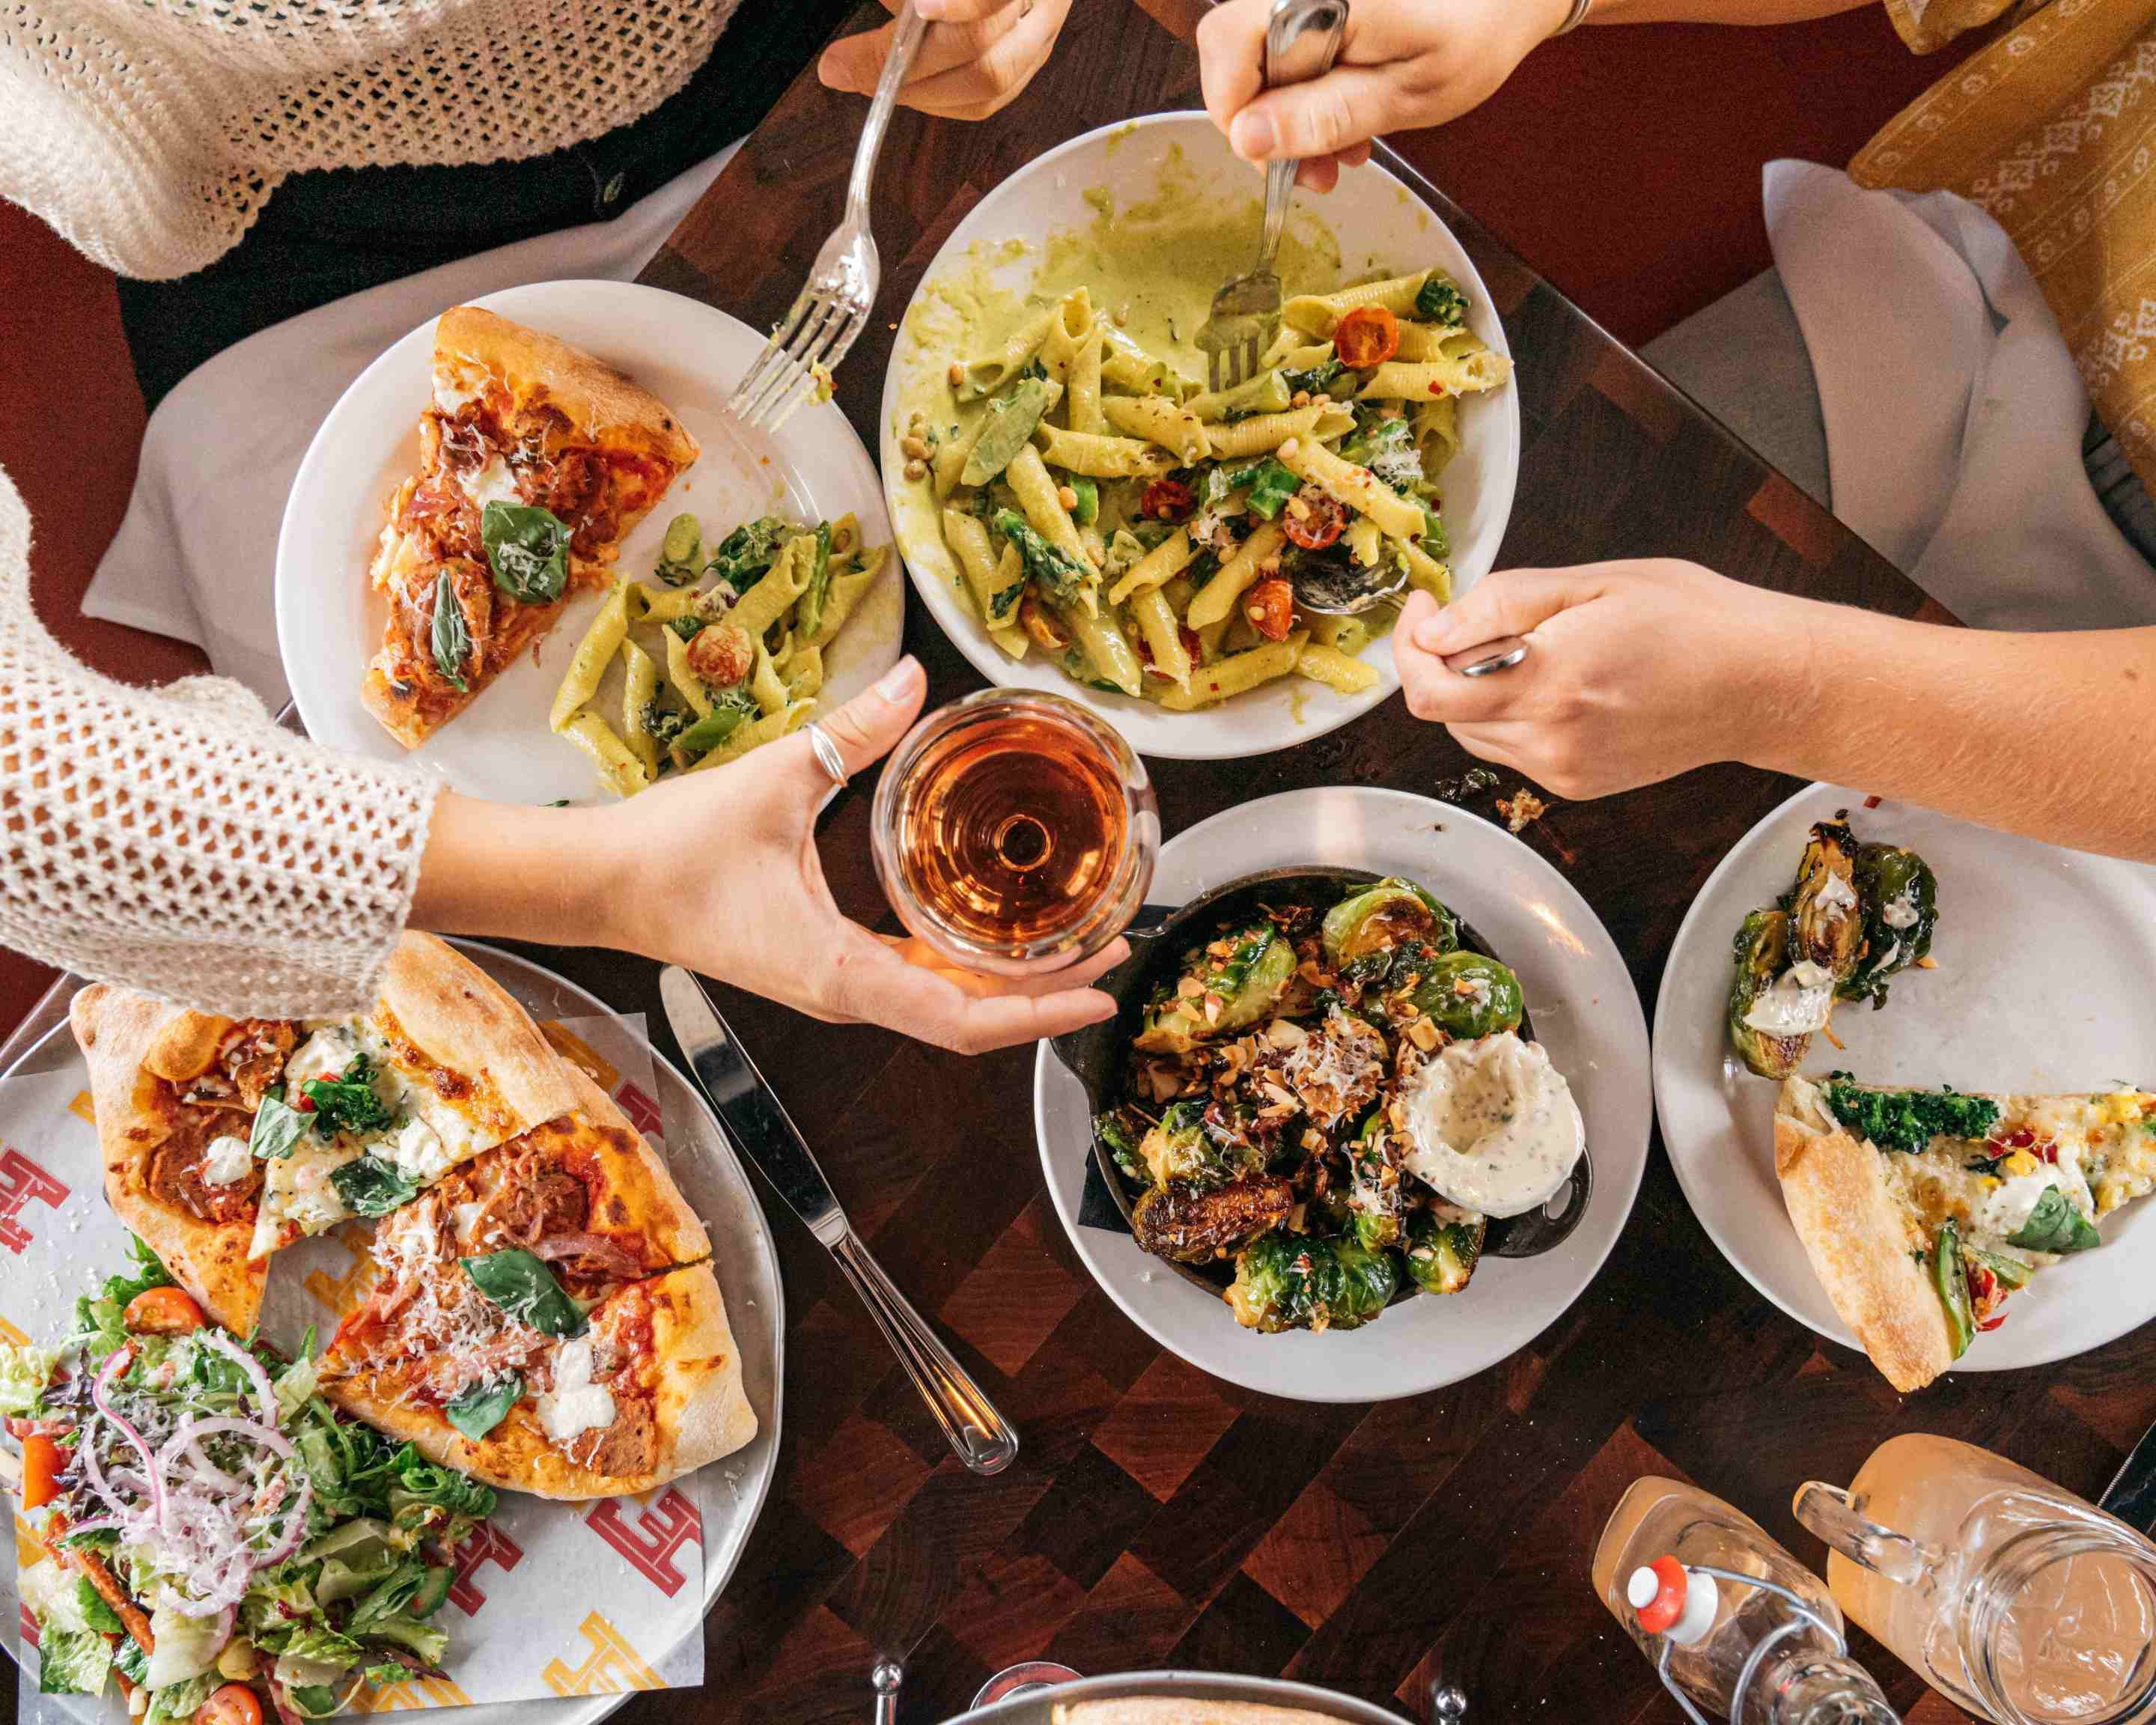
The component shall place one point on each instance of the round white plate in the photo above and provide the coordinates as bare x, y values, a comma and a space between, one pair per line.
729, 1493
690, 355
1381, 228
2044, 960
1585, 1012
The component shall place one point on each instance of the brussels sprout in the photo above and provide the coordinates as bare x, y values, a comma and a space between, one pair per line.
1191, 1223
1898, 899
1374, 1190
1827, 922
1468, 994
1185, 1149
1384, 915
1298, 1281
1763, 953
1246, 971
1444, 1245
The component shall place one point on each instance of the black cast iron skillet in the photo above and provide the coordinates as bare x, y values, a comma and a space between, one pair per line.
1096, 1054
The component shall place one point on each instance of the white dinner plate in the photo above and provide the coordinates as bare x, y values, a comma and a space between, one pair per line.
2044, 957
1585, 1011
1381, 228
728, 1493
690, 355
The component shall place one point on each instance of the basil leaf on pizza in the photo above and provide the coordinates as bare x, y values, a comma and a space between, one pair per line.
278, 1127
451, 635
371, 1186
2055, 1225
527, 547
478, 1407
523, 1287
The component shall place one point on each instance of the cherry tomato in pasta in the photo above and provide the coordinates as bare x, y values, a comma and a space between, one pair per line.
1366, 336
1313, 519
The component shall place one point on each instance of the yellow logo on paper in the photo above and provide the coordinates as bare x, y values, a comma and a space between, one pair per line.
80, 1107
612, 1666
579, 1052
27, 1549
340, 1293
415, 1693
20, 1338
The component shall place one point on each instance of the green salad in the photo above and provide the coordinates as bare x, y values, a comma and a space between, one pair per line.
221, 1538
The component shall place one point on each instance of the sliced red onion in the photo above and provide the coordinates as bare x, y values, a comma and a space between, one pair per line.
295, 1528
96, 1524
101, 1398
264, 1393
606, 1253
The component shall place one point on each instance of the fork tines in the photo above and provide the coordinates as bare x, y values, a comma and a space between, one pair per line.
816, 333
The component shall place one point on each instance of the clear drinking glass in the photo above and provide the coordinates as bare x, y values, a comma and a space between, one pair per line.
2008, 1595
1014, 832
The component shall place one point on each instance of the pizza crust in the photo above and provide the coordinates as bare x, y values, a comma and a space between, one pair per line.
461, 1019
401, 714
1859, 1243
613, 408
121, 1034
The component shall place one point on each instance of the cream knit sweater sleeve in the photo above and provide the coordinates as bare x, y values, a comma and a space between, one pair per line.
149, 133
177, 841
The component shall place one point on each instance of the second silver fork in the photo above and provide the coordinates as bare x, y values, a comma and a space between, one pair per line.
1301, 39
833, 307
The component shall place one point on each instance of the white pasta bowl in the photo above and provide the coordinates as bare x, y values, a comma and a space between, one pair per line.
1165, 204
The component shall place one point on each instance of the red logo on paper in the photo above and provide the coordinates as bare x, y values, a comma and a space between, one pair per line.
21, 1180
488, 1544
29, 1628
642, 1112
650, 1541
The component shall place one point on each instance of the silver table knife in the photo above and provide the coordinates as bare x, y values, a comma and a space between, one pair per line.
759, 1127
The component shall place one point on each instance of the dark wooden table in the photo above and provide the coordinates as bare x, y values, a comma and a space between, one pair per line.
1155, 1517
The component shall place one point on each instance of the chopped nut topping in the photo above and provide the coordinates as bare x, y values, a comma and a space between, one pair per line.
1423, 1033
1190, 987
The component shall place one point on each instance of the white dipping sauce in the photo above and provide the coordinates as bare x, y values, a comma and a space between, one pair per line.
1494, 1125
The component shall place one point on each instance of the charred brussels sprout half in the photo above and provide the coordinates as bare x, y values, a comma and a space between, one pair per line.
1190, 1224
1826, 921
1443, 1247
1898, 899
1185, 1149
1467, 995
1229, 986
1763, 954
1386, 914
1374, 1191
1296, 1282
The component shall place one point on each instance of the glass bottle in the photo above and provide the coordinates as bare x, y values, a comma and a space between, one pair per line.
2010, 1596
1732, 1622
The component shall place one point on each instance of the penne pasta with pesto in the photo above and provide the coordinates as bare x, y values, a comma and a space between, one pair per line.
721, 650
1148, 536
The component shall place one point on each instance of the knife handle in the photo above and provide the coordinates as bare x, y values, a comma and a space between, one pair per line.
976, 1432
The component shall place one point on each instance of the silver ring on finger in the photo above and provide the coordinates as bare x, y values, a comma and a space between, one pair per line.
1488, 661
826, 752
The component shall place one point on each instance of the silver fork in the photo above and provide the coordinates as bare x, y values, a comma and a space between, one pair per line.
1302, 40
833, 306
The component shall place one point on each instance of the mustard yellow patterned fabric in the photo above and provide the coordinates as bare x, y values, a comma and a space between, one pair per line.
2051, 130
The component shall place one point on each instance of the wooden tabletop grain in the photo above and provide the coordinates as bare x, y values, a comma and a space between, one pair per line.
1156, 1516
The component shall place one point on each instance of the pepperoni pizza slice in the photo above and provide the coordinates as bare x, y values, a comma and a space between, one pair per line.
545, 1319
536, 460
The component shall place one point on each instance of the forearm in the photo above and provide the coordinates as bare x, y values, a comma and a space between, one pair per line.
556, 875
1716, 11
2053, 736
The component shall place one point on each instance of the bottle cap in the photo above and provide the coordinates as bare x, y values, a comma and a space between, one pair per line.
1671, 1600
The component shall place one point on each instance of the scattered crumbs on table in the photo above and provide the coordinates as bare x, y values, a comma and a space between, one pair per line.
1521, 809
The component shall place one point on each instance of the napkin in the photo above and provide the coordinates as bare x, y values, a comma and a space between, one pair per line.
1954, 414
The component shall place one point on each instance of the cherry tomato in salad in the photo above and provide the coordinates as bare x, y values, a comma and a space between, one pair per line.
1367, 337
164, 1311
1317, 522
1045, 628
41, 1471
231, 1704
1270, 607
1167, 500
